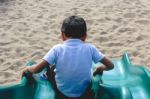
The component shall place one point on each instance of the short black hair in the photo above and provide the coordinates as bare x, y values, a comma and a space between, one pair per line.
74, 27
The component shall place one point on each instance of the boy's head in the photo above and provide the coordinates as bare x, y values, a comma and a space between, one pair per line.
74, 27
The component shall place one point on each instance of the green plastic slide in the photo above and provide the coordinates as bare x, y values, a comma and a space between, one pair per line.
125, 81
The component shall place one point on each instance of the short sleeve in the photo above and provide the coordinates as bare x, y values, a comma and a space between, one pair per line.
50, 57
97, 56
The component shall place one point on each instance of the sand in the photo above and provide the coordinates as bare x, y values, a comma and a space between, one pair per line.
29, 28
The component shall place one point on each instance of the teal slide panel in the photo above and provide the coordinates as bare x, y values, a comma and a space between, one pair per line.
125, 81
24, 90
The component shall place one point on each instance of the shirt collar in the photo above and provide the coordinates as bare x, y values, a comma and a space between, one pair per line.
73, 42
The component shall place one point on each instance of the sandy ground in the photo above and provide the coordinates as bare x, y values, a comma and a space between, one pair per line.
29, 28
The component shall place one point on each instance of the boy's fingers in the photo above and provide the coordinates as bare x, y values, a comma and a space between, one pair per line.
98, 71
21, 75
22, 72
95, 73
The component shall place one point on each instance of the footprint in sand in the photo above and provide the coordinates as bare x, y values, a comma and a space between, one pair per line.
129, 15
2, 60
122, 30
143, 22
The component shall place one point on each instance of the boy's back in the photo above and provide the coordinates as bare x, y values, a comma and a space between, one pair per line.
73, 61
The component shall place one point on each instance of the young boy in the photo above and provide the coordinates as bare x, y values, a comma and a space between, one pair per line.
73, 60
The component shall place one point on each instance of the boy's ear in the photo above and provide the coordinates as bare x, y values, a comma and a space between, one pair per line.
83, 38
63, 36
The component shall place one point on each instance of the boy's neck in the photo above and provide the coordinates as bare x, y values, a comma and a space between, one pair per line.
64, 37
74, 38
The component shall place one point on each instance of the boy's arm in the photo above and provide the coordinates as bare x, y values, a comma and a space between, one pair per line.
36, 68
108, 65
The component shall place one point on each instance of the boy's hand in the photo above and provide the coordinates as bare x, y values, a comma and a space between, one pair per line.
23, 71
99, 70
35, 68
108, 65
